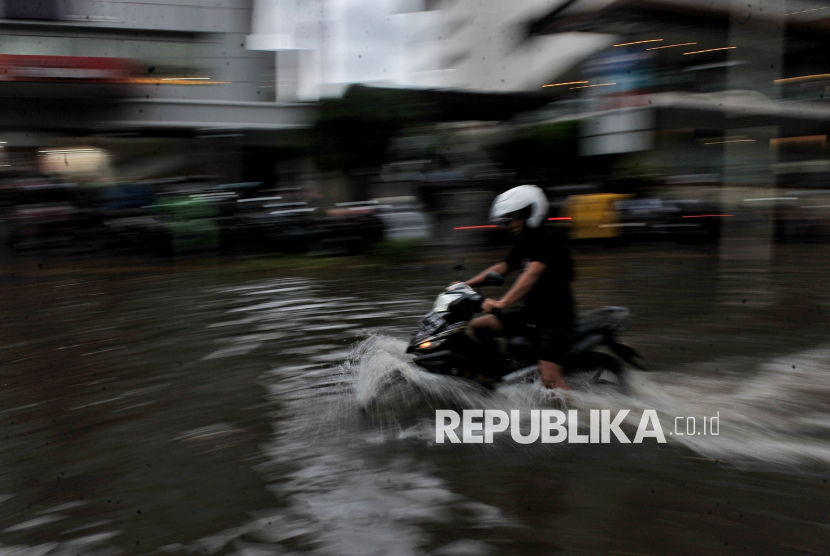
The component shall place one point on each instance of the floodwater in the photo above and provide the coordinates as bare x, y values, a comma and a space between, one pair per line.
191, 408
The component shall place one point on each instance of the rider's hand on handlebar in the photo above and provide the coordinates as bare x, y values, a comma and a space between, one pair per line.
491, 305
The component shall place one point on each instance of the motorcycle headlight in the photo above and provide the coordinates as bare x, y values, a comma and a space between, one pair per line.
431, 344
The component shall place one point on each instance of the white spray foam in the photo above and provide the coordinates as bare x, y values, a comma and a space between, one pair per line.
776, 412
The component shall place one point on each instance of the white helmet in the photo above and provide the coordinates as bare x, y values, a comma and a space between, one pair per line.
521, 198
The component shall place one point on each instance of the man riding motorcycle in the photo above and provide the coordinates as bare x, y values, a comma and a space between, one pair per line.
539, 305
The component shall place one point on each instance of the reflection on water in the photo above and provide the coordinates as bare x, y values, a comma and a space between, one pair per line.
198, 413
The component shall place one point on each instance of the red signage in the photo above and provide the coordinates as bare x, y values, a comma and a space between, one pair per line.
66, 69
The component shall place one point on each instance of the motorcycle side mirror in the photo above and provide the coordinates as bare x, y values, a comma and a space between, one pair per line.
459, 268
493, 279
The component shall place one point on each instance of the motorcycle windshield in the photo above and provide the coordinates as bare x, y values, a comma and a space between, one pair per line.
442, 302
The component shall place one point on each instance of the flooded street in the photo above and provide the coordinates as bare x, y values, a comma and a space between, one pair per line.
202, 407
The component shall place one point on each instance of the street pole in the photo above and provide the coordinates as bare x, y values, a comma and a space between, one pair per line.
756, 29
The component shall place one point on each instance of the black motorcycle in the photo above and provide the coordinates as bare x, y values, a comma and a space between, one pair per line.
442, 346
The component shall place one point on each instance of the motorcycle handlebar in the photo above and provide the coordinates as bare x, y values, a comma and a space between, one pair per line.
495, 311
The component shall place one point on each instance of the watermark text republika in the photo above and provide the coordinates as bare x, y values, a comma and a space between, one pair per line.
548, 426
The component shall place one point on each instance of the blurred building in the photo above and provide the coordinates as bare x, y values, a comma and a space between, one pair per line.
689, 72
486, 46
81, 73
721, 99
471, 45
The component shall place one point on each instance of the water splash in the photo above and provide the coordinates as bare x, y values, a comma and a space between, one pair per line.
776, 412
380, 362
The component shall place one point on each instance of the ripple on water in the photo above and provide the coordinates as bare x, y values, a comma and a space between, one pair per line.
341, 484
334, 497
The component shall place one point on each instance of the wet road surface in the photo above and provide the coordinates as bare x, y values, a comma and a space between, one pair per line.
189, 408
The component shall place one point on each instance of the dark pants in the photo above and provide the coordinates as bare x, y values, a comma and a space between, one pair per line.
552, 333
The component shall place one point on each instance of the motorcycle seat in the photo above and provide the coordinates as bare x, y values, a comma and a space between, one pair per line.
595, 326
600, 320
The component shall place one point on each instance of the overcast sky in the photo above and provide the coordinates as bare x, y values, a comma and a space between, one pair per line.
372, 42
